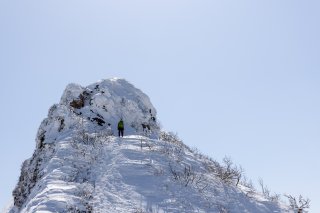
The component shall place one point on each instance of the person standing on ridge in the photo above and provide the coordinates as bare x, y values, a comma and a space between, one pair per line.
120, 127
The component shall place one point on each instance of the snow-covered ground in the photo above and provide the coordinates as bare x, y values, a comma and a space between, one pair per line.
133, 174
79, 165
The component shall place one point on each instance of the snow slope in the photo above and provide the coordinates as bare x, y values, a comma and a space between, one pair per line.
80, 166
110, 174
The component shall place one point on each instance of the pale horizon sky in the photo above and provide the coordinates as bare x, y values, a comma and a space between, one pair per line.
232, 78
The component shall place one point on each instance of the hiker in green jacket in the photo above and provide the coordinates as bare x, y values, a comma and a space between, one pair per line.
120, 128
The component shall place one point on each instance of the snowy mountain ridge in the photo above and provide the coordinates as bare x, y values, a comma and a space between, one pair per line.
79, 165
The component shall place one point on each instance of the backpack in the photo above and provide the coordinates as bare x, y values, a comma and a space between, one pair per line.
120, 125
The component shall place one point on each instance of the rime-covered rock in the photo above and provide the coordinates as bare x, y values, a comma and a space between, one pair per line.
93, 107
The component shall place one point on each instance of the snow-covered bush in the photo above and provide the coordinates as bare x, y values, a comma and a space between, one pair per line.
186, 176
250, 190
228, 172
298, 205
170, 137
173, 145
267, 193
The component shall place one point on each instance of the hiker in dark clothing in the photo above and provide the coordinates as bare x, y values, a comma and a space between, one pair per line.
120, 128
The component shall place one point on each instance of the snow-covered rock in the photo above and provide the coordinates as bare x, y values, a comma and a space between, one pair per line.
93, 107
79, 166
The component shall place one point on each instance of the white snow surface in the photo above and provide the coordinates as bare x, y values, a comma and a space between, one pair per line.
79, 166
132, 174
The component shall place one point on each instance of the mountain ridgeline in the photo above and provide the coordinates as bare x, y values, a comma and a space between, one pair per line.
81, 165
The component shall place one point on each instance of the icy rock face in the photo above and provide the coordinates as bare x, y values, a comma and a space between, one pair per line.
96, 107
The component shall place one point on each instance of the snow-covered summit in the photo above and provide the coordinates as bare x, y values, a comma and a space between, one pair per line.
97, 107
80, 166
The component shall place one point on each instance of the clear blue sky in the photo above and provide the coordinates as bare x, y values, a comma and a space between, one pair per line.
236, 78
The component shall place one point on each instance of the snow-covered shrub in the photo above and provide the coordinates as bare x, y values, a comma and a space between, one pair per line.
267, 193
187, 176
298, 205
228, 172
170, 137
246, 182
250, 190
201, 183
173, 146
